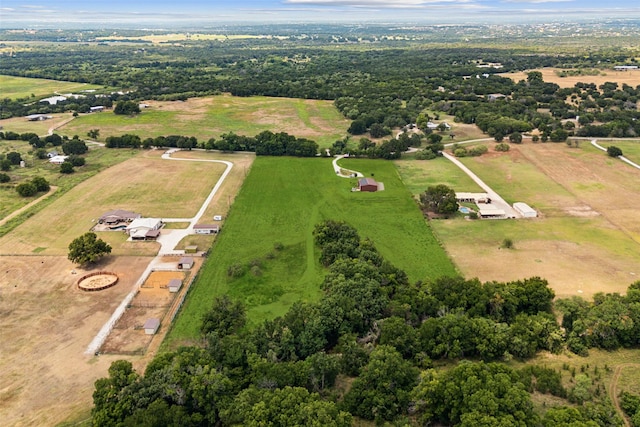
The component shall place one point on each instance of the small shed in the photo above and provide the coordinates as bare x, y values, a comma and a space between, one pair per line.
191, 249
58, 160
174, 285
151, 326
525, 210
185, 263
96, 109
206, 228
367, 184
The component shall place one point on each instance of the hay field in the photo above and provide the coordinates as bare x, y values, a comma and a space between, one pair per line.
587, 239
22, 125
210, 117
25, 87
138, 184
550, 75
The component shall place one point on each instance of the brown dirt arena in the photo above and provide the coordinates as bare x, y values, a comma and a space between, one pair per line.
46, 323
153, 300
97, 281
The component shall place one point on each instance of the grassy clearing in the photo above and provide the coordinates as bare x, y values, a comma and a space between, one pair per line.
22, 125
137, 184
420, 174
281, 201
586, 239
97, 160
212, 116
630, 149
24, 87
551, 75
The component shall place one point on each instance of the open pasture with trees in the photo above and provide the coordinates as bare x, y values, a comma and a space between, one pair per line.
40, 127
96, 161
565, 79
586, 239
630, 149
145, 184
210, 117
266, 257
34, 89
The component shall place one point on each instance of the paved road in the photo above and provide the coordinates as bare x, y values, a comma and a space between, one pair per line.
496, 200
339, 170
594, 142
168, 240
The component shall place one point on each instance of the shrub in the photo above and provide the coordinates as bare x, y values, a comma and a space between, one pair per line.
507, 244
5, 164
235, 270
460, 152
478, 150
614, 151
66, 167
76, 160
502, 147
26, 189
40, 183
425, 154
4, 178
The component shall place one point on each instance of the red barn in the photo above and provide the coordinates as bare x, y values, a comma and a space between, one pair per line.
367, 184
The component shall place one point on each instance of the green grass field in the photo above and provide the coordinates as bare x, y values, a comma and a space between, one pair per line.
281, 201
630, 149
24, 87
213, 116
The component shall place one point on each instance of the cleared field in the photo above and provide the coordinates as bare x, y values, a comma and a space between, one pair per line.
22, 125
630, 148
97, 160
212, 116
587, 238
420, 174
550, 75
138, 184
24, 87
281, 201
46, 323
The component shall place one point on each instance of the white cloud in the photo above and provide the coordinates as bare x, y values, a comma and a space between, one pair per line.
537, 1
385, 4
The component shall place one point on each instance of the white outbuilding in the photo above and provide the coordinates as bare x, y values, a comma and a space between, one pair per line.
151, 326
525, 210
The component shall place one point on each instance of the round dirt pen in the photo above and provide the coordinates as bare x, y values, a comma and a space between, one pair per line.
97, 281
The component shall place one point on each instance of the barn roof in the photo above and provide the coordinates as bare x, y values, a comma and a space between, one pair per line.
367, 181
186, 260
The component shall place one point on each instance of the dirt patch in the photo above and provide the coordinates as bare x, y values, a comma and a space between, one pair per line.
549, 75
46, 323
581, 211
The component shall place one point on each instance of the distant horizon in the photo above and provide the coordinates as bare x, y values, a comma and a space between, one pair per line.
71, 14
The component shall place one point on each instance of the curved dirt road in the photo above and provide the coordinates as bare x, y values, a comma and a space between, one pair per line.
613, 390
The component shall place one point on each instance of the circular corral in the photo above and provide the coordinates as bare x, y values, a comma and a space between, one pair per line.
97, 281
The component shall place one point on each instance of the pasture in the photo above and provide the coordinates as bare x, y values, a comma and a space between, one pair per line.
40, 127
25, 87
551, 75
630, 149
268, 235
587, 237
10, 201
210, 117
139, 184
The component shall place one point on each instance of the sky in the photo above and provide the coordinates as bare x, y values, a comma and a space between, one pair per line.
49, 13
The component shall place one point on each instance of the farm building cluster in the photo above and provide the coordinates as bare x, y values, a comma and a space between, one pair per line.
485, 209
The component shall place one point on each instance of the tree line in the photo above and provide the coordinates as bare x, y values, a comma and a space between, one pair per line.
380, 332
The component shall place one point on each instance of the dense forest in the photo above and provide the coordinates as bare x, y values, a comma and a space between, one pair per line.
369, 348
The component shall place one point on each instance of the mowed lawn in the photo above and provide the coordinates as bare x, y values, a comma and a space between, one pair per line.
586, 239
630, 148
281, 201
210, 117
25, 87
145, 184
